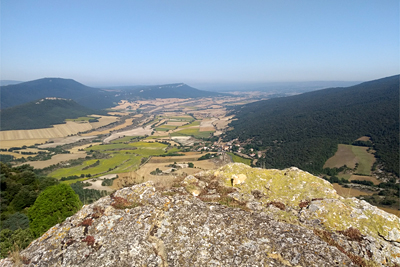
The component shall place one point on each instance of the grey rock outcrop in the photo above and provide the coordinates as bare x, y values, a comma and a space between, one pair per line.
143, 226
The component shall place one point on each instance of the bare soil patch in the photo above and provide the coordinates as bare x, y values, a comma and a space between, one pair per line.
22, 142
139, 131
16, 155
207, 129
392, 211
349, 192
365, 178
76, 149
176, 123
344, 156
65, 140
96, 184
184, 140
121, 126
364, 138
103, 121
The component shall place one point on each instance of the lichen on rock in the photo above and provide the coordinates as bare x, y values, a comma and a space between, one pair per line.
270, 218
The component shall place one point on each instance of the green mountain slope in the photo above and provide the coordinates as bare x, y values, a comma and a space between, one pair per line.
17, 94
176, 90
304, 130
41, 114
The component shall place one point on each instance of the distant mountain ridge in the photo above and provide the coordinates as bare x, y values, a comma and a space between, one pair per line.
13, 95
175, 90
8, 82
95, 98
42, 113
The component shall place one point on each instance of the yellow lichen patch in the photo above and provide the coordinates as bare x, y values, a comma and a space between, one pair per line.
289, 186
278, 257
339, 215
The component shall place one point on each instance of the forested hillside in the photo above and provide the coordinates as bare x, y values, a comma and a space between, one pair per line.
41, 114
176, 90
304, 130
17, 94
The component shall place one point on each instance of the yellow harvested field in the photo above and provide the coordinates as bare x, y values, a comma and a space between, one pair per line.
208, 122
392, 211
365, 178
16, 155
143, 174
349, 192
207, 129
22, 142
209, 113
364, 138
54, 142
103, 121
125, 104
59, 130
117, 113
32, 150
76, 149
126, 124
139, 131
160, 122
55, 160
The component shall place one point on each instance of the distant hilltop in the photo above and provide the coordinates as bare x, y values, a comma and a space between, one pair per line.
52, 98
94, 98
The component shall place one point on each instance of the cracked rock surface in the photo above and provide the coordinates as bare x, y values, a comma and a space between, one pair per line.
142, 226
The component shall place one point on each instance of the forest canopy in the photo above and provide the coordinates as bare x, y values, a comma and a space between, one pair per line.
305, 130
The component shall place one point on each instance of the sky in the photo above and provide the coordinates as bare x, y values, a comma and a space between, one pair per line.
102, 43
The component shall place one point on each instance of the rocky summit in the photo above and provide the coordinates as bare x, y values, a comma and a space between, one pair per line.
233, 216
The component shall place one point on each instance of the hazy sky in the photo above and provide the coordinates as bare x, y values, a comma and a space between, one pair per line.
149, 42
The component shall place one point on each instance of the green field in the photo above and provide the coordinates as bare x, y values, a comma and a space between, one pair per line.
182, 118
121, 146
365, 160
239, 159
155, 137
81, 119
195, 123
124, 160
124, 139
349, 155
165, 127
195, 132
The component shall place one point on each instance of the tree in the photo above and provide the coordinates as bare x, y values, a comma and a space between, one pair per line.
52, 206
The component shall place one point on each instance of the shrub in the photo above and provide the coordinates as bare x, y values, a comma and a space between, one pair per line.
52, 206
16, 221
8, 239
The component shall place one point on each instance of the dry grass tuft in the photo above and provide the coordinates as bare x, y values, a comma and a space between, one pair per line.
353, 234
122, 203
277, 204
89, 240
304, 204
327, 237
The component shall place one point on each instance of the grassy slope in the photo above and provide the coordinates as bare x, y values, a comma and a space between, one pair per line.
238, 159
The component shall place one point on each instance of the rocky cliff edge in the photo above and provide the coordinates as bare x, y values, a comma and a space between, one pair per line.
233, 216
